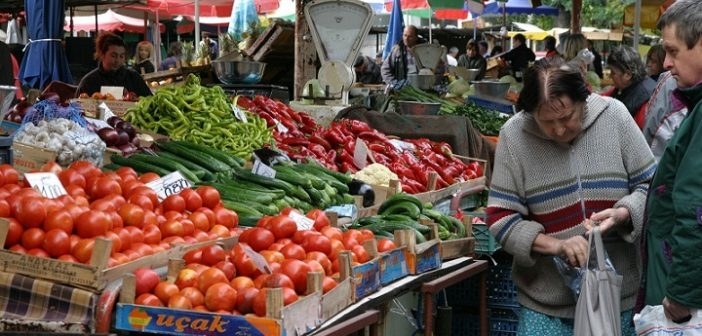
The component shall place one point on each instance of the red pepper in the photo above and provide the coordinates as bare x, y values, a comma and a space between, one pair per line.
270, 122
476, 168
346, 167
245, 102
350, 146
295, 141
401, 170
331, 156
380, 158
344, 156
357, 126
334, 137
415, 185
442, 148
316, 138
373, 136
308, 121
376, 147
420, 173
318, 150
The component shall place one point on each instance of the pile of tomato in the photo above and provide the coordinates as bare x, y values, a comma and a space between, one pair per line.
230, 282
114, 205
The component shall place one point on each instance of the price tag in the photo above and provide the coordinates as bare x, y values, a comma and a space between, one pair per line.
360, 154
239, 113
402, 146
260, 168
281, 128
115, 91
257, 259
106, 111
48, 184
303, 223
170, 184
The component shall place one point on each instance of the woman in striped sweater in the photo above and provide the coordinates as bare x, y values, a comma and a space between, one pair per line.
568, 160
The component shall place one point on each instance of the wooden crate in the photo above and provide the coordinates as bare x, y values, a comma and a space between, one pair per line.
93, 276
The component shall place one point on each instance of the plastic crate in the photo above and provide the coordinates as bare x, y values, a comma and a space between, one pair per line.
501, 291
485, 242
504, 322
491, 105
463, 294
463, 323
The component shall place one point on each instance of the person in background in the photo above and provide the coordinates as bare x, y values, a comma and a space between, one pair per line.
654, 61
496, 50
451, 56
547, 192
379, 58
473, 59
550, 46
673, 274
483, 49
597, 62
664, 113
400, 62
6, 73
519, 56
111, 52
631, 84
175, 49
574, 51
210, 45
367, 72
142, 60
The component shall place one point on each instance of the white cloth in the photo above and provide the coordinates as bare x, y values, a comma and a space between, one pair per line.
451, 60
15, 33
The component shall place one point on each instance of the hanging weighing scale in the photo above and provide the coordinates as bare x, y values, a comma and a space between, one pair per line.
338, 29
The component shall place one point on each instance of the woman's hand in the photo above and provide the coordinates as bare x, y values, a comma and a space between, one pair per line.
574, 250
607, 219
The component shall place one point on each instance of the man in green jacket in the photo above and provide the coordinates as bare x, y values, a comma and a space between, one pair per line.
674, 205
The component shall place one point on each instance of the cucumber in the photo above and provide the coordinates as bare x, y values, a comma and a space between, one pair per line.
201, 158
220, 155
315, 169
241, 210
200, 171
246, 175
111, 167
167, 164
405, 208
233, 193
392, 226
252, 187
139, 166
292, 177
400, 198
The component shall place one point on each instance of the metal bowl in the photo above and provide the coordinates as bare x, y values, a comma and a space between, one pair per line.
466, 74
418, 108
491, 88
422, 82
242, 72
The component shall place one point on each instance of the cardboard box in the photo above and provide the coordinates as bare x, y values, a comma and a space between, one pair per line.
420, 257
365, 277
393, 265
28, 158
91, 107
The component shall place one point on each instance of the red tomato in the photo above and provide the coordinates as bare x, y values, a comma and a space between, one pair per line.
196, 297
148, 299
328, 283
297, 271
318, 243
11, 176
212, 254
210, 196
146, 280
220, 296
277, 280
210, 277
60, 219
56, 243
282, 226
244, 299
320, 218
14, 233
193, 200
33, 238
173, 203
258, 238
132, 214
179, 301
226, 217
92, 223
293, 251
30, 211
386, 244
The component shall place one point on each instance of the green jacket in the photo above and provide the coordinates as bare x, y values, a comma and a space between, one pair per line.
674, 213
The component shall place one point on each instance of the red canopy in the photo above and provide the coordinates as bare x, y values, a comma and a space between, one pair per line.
110, 21
218, 8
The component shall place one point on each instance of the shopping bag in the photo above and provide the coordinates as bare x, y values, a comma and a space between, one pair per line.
597, 312
651, 321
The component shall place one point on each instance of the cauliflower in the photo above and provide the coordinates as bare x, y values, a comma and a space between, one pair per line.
376, 174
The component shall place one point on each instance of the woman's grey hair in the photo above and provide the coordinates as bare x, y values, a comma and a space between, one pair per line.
686, 15
628, 60
571, 45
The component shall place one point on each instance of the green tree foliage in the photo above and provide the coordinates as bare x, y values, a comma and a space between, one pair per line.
596, 13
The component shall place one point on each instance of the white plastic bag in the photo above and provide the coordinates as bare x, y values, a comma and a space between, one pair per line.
651, 321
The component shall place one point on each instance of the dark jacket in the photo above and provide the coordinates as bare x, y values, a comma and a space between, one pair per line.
395, 65
674, 213
519, 59
477, 62
146, 65
125, 77
635, 97
371, 72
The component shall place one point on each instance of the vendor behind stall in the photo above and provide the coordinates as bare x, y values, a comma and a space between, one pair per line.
367, 71
110, 51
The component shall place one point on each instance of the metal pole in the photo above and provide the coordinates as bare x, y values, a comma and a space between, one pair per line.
637, 23
197, 24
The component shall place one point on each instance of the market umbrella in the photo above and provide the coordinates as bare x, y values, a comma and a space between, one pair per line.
45, 59
243, 16
517, 7
395, 28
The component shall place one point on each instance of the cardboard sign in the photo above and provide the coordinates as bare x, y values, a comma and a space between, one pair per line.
360, 154
115, 91
239, 113
170, 184
48, 184
303, 223
259, 168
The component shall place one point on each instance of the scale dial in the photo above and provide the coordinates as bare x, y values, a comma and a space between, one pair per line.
338, 27
337, 76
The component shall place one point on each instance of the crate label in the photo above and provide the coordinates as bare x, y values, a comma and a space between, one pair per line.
428, 259
360, 154
65, 272
239, 113
257, 259
303, 223
302, 316
162, 320
393, 266
260, 168
366, 278
170, 184
48, 184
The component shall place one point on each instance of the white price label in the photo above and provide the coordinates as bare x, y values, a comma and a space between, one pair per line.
260, 168
48, 184
115, 91
281, 128
239, 113
257, 259
402, 146
170, 184
360, 154
303, 223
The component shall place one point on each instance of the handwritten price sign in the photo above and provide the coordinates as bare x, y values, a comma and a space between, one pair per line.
260, 168
48, 184
170, 184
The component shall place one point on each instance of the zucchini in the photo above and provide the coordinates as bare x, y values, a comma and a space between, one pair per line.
140, 166
166, 164
198, 157
200, 171
231, 160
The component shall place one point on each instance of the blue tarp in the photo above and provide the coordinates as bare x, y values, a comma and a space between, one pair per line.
518, 7
395, 28
44, 60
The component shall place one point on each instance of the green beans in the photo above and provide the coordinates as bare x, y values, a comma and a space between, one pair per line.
200, 115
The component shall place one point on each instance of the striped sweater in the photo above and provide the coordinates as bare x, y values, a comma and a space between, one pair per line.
539, 186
